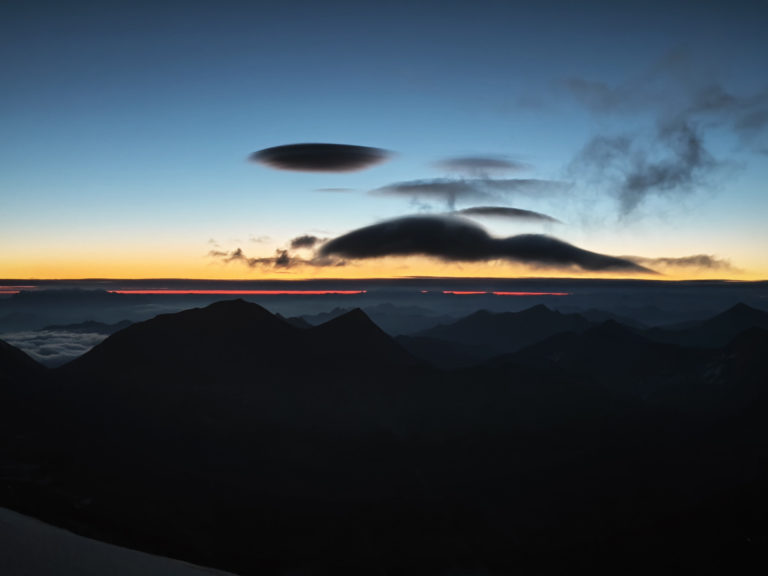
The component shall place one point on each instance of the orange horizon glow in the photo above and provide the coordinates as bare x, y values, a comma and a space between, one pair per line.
61, 265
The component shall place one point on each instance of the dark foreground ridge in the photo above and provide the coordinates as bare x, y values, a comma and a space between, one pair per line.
230, 437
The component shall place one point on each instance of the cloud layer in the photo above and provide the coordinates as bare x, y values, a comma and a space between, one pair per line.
316, 157
458, 239
54, 347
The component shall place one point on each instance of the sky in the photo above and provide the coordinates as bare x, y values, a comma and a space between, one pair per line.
630, 139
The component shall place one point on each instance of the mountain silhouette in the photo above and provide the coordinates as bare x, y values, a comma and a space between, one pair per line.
615, 357
354, 337
228, 437
15, 365
716, 331
499, 333
444, 354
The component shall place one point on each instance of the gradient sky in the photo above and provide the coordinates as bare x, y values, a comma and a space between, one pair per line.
127, 127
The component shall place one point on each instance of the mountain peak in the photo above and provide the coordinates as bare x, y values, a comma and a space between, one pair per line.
355, 319
741, 314
743, 309
359, 339
611, 329
236, 305
537, 310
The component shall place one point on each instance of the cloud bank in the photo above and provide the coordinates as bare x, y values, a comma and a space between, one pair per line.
317, 157
456, 239
54, 347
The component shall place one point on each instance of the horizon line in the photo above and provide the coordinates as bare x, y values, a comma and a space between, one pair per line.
389, 279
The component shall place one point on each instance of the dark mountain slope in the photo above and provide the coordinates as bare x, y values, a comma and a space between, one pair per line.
509, 331
354, 339
228, 437
716, 331
443, 354
615, 357
224, 331
16, 366
20, 379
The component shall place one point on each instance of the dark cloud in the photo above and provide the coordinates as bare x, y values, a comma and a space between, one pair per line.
685, 105
701, 100
505, 212
282, 259
481, 165
674, 160
459, 239
314, 157
449, 190
305, 241
701, 261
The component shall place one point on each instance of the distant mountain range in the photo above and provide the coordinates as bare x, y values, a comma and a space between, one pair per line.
90, 326
231, 437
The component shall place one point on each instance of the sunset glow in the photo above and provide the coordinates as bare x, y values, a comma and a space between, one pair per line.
647, 161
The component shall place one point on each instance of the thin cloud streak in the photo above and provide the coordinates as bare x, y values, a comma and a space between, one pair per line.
506, 212
450, 190
481, 166
699, 261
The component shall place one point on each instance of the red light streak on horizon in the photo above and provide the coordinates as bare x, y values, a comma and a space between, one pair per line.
242, 292
531, 293
15, 289
478, 292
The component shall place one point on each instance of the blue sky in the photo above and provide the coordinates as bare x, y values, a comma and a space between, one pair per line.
128, 126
